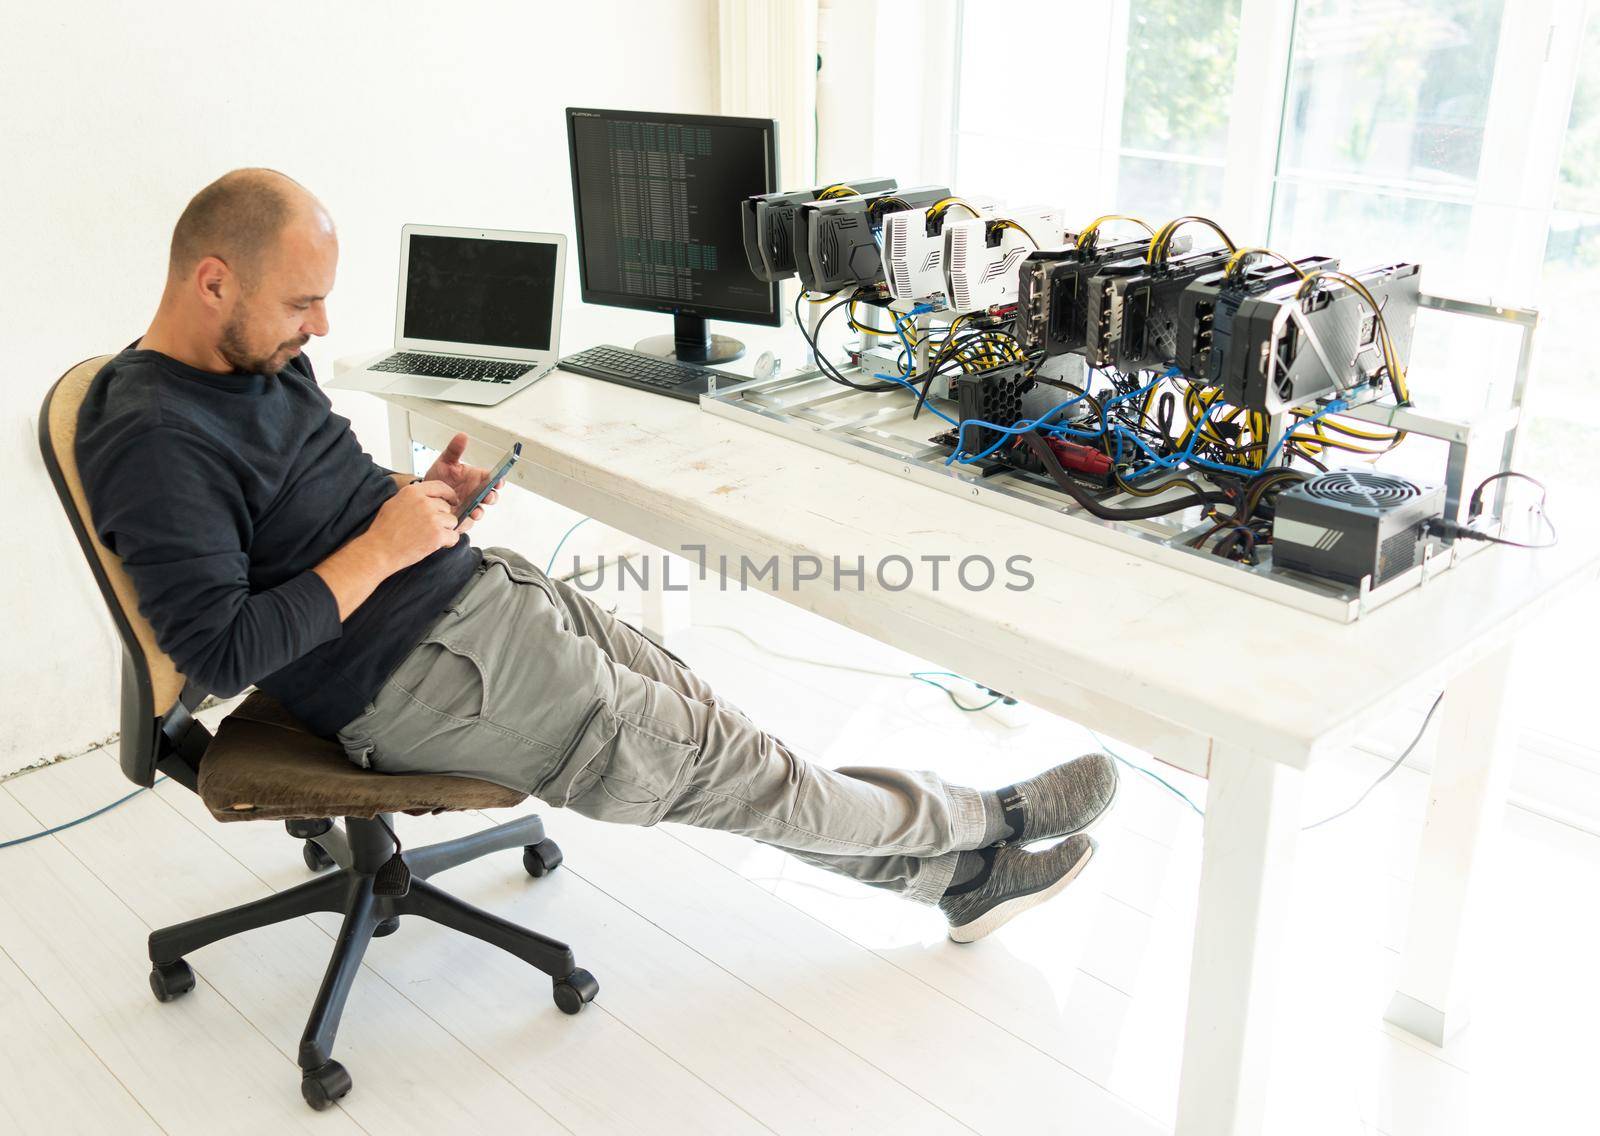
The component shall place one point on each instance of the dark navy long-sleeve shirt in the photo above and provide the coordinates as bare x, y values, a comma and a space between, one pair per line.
220, 493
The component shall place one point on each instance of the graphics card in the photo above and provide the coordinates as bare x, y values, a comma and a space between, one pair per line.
837, 241
769, 224
913, 247
982, 257
1283, 350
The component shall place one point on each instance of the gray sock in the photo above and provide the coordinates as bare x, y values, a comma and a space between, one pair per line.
1057, 802
994, 819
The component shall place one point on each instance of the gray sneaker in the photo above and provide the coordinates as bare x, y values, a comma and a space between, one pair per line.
1070, 798
1013, 881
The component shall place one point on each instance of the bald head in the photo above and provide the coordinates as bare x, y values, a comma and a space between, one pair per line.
252, 262
239, 219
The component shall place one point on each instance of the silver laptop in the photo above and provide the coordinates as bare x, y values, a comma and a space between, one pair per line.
478, 318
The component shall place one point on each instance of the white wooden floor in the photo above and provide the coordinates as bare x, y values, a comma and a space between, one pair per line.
742, 991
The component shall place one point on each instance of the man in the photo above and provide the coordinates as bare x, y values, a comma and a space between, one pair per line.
267, 548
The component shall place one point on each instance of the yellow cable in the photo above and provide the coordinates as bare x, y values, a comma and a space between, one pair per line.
858, 326
1007, 223
1083, 237
1159, 242
1238, 258
942, 206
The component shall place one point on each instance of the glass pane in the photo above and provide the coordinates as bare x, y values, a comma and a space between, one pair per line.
986, 167
1564, 400
1363, 228
1159, 190
1397, 92
1579, 187
1179, 76
989, 98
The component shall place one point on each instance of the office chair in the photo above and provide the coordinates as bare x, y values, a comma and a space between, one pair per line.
264, 765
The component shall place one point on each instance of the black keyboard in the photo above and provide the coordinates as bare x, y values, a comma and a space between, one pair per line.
453, 367
644, 372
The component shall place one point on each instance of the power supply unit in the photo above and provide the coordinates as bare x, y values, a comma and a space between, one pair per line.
1348, 524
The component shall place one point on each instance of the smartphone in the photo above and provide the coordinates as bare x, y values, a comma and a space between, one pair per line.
495, 477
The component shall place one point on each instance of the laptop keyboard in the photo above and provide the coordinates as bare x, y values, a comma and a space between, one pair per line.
453, 367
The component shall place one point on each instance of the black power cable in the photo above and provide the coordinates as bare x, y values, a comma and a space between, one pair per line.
1052, 466
1455, 530
828, 369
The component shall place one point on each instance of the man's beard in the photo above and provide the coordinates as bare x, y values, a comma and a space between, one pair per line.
232, 348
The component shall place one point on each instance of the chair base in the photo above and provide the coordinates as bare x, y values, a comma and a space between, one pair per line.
359, 850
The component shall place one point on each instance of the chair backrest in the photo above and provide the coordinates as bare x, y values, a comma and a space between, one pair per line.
156, 717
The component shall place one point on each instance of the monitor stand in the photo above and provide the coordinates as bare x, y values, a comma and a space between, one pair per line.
690, 342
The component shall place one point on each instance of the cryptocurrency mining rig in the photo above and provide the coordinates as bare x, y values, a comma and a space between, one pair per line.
1223, 408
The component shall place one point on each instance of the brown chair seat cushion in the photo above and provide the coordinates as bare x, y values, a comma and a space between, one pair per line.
264, 765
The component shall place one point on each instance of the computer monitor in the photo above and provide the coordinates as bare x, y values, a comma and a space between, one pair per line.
657, 198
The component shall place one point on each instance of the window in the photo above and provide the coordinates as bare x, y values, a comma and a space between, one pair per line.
1177, 87
1160, 72
1565, 427
1383, 134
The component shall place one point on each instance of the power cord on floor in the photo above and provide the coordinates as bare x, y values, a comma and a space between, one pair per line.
921, 676
80, 820
1396, 764
1150, 773
1113, 754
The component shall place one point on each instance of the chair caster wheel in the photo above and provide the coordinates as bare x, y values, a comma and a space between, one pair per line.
324, 1085
386, 927
574, 990
315, 857
171, 980
542, 858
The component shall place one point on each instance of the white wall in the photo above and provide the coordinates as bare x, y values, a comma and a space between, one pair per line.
112, 115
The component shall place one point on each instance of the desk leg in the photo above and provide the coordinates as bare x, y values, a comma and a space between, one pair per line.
1251, 832
400, 459
1467, 798
666, 600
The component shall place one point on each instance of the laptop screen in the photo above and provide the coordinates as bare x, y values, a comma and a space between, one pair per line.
479, 290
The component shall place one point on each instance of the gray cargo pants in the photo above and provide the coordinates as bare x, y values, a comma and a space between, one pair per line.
526, 682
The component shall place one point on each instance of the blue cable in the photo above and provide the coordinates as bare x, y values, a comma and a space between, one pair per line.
926, 405
900, 330
1186, 455
1333, 407
548, 568
1005, 431
910, 366
1154, 776
924, 676
80, 820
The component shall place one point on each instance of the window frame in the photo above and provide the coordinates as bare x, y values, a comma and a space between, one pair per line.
1513, 194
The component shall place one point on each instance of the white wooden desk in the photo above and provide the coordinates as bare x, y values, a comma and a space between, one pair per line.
1243, 691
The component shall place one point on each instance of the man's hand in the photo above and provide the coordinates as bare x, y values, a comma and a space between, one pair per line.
465, 480
416, 522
